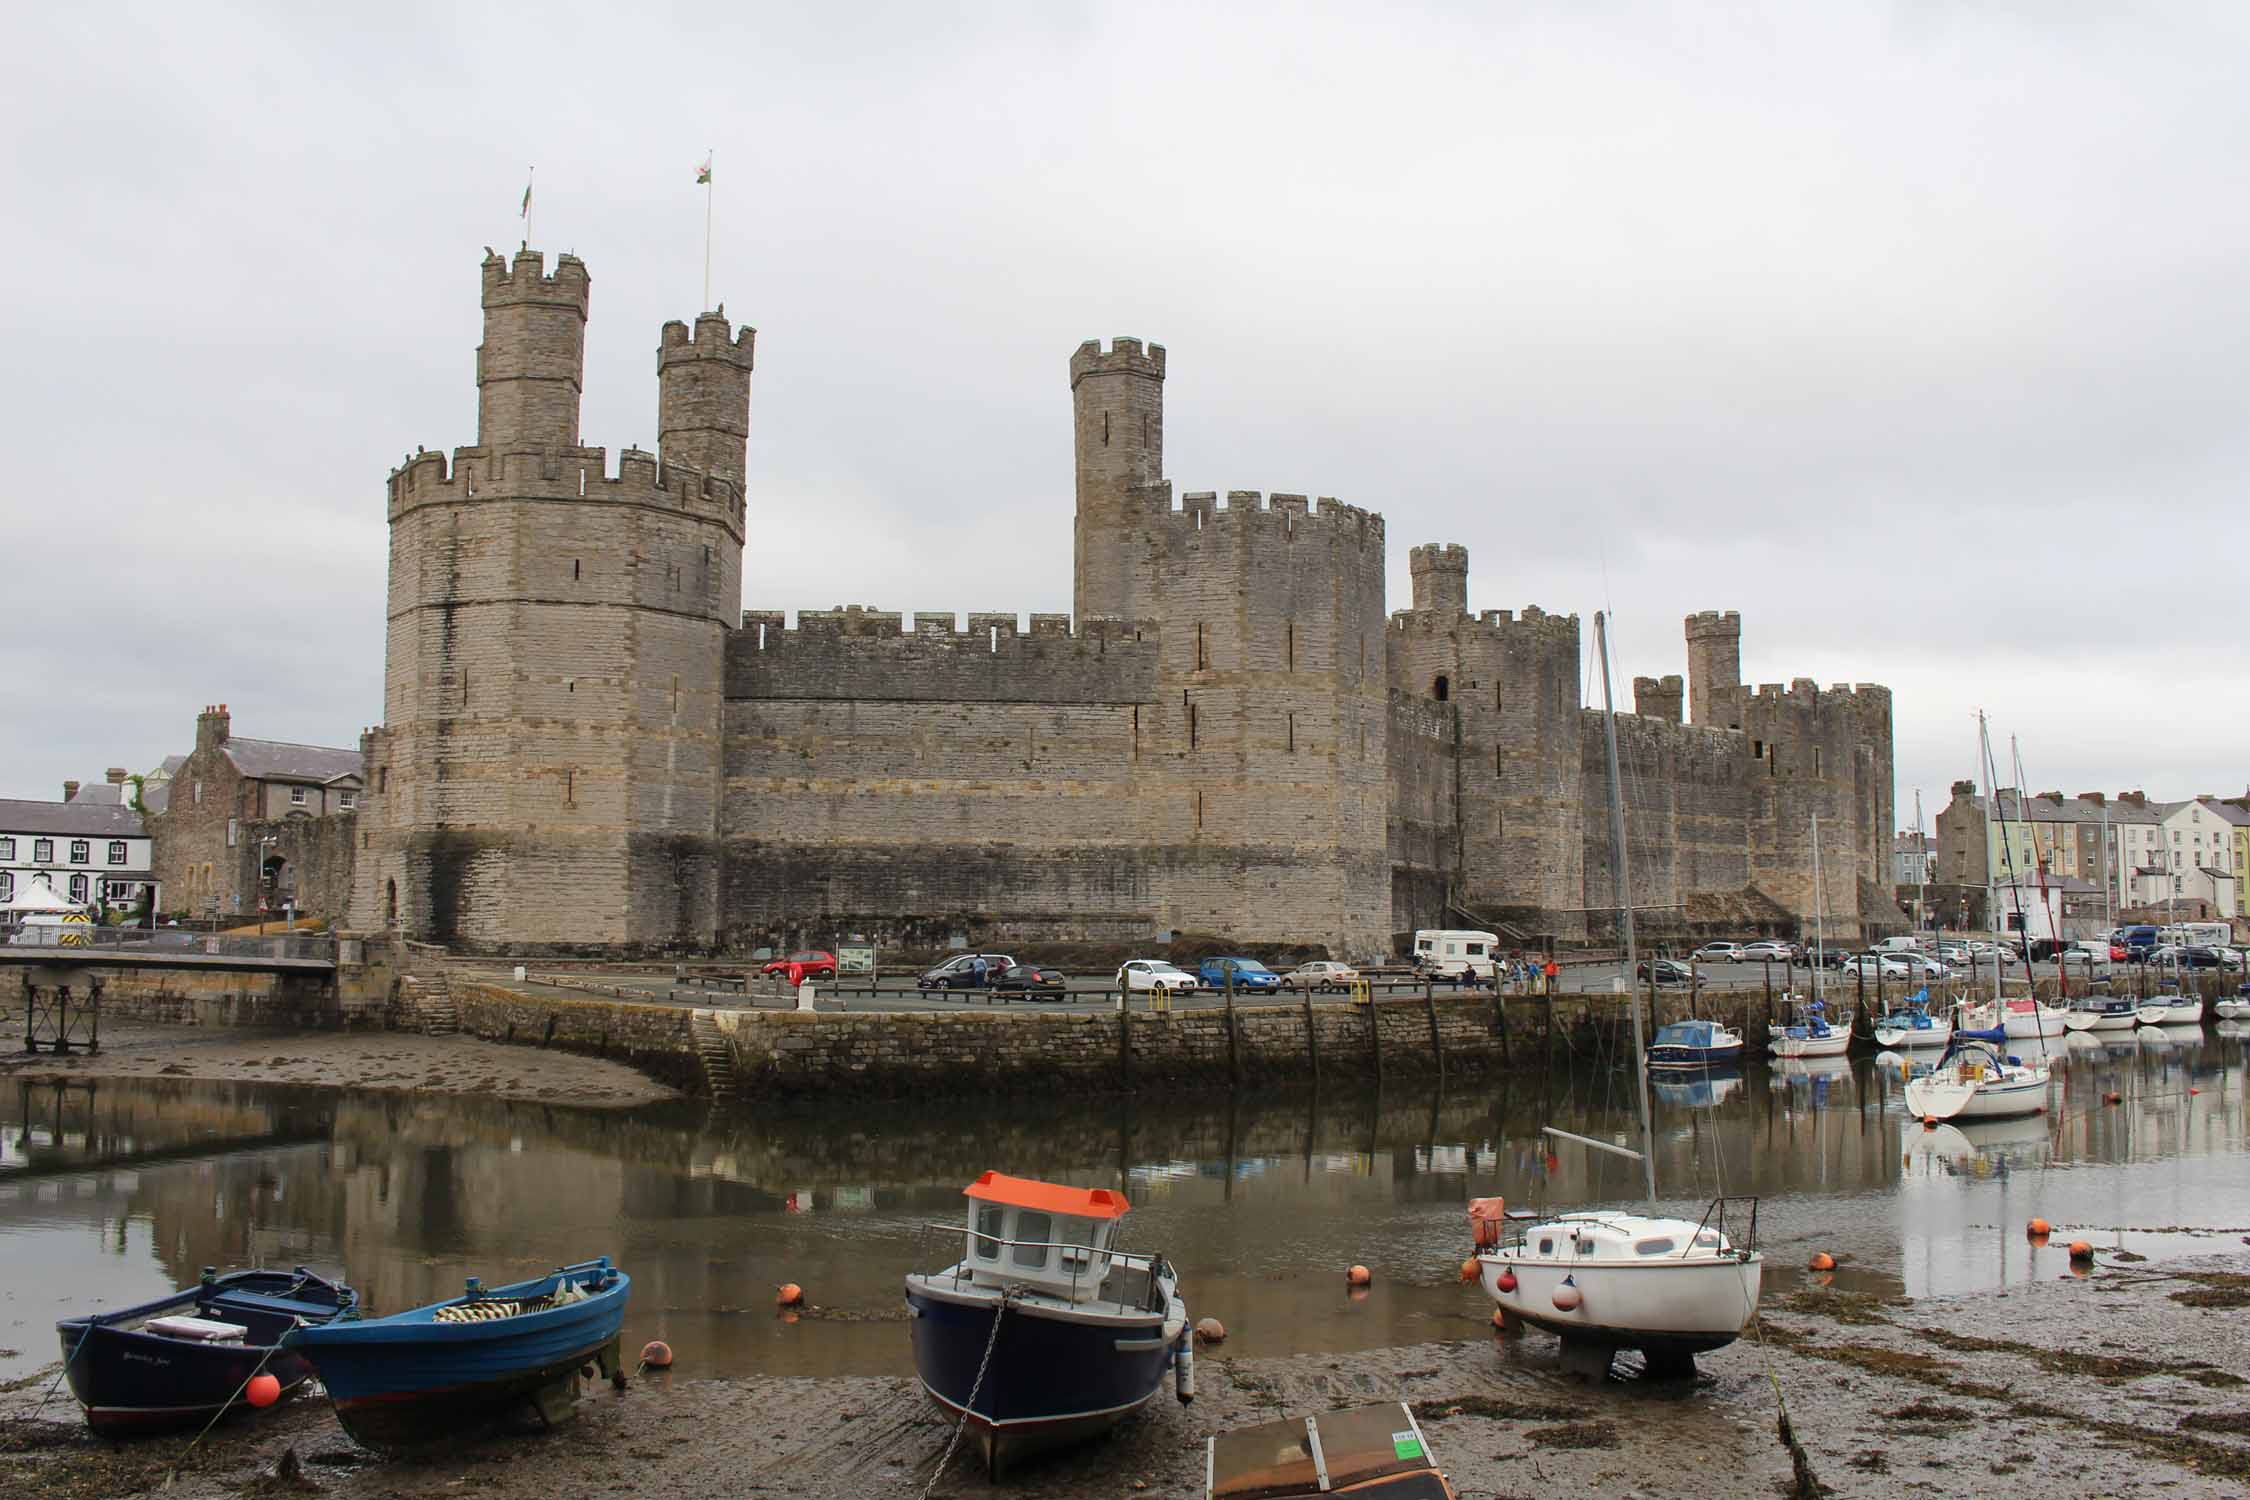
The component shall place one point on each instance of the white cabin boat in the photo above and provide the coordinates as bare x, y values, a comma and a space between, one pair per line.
1975, 1080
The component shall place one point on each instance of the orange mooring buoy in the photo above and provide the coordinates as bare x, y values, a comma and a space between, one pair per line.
1469, 1269
1359, 1276
1211, 1331
2080, 1250
1821, 1261
656, 1355
2039, 1229
789, 1294
262, 1391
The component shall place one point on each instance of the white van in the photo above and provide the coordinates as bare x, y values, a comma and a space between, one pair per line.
1452, 952
2204, 934
1899, 945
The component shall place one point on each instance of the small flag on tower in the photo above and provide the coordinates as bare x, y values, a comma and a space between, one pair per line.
525, 211
703, 173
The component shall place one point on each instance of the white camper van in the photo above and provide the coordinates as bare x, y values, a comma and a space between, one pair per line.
1452, 952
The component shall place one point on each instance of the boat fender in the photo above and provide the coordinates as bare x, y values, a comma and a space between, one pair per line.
1183, 1371
262, 1391
1468, 1270
1568, 1297
1505, 1281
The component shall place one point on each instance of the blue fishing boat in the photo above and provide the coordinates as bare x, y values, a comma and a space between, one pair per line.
180, 1360
1045, 1332
433, 1371
1695, 1044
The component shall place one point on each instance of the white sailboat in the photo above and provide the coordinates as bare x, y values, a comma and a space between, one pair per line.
1810, 1031
1977, 1079
1608, 1280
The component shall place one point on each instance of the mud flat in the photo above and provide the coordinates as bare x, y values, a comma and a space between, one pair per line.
364, 1060
2132, 1381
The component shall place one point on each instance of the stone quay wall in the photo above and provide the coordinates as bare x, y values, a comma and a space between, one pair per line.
653, 1038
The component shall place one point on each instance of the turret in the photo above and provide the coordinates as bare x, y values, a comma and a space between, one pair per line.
1118, 405
703, 395
531, 365
1714, 656
1441, 577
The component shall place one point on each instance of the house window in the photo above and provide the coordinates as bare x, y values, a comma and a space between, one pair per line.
117, 851
297, 796
7, 848
77, 887
80, 852
7, 885
43, 851
347, 800
382, 778
198, 790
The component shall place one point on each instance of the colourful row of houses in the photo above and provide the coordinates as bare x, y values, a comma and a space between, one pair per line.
2127, 852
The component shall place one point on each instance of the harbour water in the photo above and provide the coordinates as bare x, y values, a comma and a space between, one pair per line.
114, 1191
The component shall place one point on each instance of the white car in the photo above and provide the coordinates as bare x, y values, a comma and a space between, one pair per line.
1320, 974
1921, 965
1874, 966
1147, 974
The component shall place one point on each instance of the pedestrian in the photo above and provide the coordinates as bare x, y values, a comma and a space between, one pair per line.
1553, 969
977, 972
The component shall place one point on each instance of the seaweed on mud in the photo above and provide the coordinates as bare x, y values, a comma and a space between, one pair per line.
1871, 1460
2213, 1377
2055, 1361
1856, 1308
1934, 1413
1573, 1435
1492, 1410
2224, 1289
2235, 1422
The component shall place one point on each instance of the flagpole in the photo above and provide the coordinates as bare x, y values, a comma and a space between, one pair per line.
710, 187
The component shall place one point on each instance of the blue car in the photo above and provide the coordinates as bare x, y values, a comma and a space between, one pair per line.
1249, 974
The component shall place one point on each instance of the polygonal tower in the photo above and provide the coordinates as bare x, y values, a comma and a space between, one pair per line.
1118, 430
547, 774
1714, 663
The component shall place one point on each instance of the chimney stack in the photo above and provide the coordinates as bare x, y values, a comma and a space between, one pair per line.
115, 775
69, 790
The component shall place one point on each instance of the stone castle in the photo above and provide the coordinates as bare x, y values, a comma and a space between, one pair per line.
588, 746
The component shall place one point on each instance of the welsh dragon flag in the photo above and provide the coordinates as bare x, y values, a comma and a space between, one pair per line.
703, 173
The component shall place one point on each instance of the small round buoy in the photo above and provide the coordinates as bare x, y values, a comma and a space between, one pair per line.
1211, 1331
1359, 1276
2039, 1229
1821, 1261
2080, 1250
1499, 1320
262, 1391
789, 1294
656, 1354
1567, 1296
1929, 1122
1506, 1281
1469, 1270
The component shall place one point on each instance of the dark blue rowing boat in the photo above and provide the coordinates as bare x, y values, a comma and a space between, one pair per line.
437, 1370
177, 1361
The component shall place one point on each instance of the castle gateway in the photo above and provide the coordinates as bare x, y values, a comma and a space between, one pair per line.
588, 746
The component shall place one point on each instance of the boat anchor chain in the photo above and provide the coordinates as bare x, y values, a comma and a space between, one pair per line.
1007, 1299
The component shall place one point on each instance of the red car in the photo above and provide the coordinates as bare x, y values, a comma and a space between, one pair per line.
799, 967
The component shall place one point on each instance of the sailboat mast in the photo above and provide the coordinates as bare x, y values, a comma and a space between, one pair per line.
1991, 888
1921, 868
1819, 913
1622, 870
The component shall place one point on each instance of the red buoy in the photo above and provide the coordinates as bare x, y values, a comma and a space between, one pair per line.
1359, 1276
1821, 1261
656, 1355
2039, 1229
262, 1391
2080, 1250
1506, 1281
789, 1294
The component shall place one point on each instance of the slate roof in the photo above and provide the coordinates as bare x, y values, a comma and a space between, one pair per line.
71, 819
156, 796
100, 792
278, 760
2016, 807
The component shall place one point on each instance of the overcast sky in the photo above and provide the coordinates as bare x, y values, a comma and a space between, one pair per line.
1918, 333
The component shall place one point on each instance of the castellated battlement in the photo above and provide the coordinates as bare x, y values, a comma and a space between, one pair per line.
526, 279
570, 474
1709, 623
710, 339
1533, 626
1125, 356
1287, 514
985, 630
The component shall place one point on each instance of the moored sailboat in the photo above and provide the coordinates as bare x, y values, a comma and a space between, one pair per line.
1910, 1024
1977, 1080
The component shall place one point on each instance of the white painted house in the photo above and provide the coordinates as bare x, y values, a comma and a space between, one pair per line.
87, 851
2200, 856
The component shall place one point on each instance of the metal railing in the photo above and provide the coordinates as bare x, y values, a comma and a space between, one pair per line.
79, 938
1080, 1267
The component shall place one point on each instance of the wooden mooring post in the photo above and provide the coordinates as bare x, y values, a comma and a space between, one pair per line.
1437, 1043
1312, 1037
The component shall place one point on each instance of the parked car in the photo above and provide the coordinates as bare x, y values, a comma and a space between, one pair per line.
1719, 953
2132, 944
1143, 975
2186, 956
1956, 954
960, 972
797, 968
2230, 957
1321, 974
1874, 966
1031, 981
1668, 971
1922, 966
2093, 952
1249, 974
1771, 951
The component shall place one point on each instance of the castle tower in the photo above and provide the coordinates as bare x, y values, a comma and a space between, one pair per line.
546, 777
703, 395
1441, 577
531, 365
1714, 656
1118, 425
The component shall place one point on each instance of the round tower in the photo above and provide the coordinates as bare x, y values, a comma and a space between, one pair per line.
1118, 403
1441, 577
703, 395
531, 365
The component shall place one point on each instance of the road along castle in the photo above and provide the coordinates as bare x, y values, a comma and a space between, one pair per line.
587, 745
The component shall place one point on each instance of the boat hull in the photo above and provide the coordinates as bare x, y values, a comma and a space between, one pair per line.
128, 1380
407, 1380
2118, 1018
1053, 1379
1673, 1059
2186, 1013
1935, 1034
1951, 1097
1835, 1044
1665, 1307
